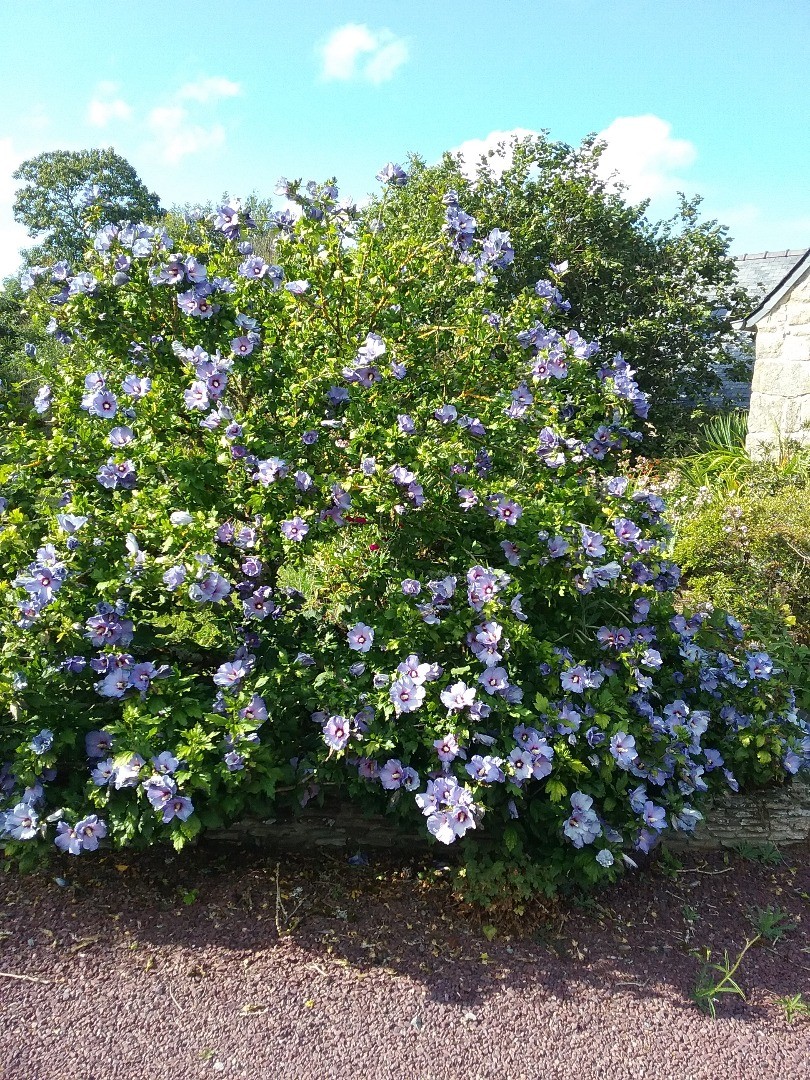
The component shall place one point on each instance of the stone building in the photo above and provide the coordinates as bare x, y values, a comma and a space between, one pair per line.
779, 411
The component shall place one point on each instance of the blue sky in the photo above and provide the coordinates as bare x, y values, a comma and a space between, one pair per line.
705, 96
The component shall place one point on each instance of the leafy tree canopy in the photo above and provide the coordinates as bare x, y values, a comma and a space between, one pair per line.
65, 190
659, 292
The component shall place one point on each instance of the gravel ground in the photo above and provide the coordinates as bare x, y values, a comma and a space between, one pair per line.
208, 964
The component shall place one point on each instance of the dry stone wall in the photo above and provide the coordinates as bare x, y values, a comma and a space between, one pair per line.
775, 816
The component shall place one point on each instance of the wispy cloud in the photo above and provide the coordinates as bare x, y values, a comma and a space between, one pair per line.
176, 136
209, 88
354, 52
106, 106
642, 154
36, 118
101, 113
175, 129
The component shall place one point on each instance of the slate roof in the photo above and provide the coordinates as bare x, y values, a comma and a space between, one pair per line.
761, 273
773, 298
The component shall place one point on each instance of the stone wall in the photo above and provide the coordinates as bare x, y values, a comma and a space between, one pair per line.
780, 390
776, 816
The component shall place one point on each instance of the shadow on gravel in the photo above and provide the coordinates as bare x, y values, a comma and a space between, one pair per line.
215, 909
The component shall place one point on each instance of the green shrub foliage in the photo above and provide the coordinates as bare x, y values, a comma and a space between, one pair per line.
351, 521
745, 549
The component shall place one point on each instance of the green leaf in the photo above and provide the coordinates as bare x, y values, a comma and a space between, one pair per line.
556, 789
511, 838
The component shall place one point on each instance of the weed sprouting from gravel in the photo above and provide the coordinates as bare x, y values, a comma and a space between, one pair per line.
795, 1007
718, 978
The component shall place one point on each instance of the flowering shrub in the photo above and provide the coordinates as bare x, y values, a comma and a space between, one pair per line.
267, 532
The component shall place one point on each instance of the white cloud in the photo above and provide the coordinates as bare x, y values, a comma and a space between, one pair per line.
175, 132
385, 61
209, 88
474, 149
343, 49
642, 154
354, 51
176, 136
12, 236
100, 113
106, 106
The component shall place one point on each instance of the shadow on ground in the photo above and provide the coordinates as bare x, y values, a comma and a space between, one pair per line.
220, 906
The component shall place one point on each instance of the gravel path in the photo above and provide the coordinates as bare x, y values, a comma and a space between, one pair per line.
147, 966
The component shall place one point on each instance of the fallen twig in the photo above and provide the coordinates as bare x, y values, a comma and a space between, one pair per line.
711, 873
25, 978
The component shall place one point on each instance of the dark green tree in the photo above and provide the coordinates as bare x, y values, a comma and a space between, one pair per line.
662, 293
15, 324
64, 191
24, 347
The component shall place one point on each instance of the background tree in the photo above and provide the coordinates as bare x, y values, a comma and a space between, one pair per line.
662, 292
61, 187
